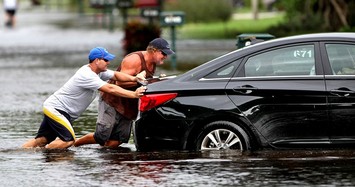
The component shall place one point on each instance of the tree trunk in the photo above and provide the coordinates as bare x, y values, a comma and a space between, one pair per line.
340, 8
255, 5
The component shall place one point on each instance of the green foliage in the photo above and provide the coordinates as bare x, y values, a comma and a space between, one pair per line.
308, 16
138, 35
347, 29
298, 19
351, 14
198, 11
235, 27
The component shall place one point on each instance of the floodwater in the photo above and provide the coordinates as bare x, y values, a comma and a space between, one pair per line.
33, 65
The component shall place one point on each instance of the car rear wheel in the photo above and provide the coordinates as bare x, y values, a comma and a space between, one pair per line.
221, 135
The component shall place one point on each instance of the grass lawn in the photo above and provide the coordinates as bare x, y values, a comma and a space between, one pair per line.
228, 30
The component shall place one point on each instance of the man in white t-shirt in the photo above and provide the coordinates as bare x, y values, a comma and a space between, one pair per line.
10, 7
72, 99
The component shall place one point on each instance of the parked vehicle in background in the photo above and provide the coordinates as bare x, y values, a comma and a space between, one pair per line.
293, 92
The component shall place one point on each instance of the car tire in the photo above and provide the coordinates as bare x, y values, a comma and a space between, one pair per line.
221, 135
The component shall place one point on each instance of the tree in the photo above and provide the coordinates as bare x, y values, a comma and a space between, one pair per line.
304, 16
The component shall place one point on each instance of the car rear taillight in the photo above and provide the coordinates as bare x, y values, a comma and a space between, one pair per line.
148, 102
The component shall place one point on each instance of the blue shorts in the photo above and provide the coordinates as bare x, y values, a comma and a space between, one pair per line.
56, 123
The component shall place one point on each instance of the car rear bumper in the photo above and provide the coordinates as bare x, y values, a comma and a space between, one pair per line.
152, 134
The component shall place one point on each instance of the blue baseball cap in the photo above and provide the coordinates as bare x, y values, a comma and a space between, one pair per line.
101, 53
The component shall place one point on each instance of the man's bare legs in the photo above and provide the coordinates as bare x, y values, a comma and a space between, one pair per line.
59, 144
89, 139
112, 144
38, 142
42, 141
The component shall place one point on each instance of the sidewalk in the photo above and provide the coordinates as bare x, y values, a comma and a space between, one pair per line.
261, 15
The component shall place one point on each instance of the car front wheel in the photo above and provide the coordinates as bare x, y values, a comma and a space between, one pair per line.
221, 135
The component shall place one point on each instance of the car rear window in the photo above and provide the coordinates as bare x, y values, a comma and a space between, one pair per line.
226, 71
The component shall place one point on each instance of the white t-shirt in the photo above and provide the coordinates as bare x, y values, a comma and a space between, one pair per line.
10, 4
79, 91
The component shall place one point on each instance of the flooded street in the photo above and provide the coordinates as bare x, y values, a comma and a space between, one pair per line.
36, 59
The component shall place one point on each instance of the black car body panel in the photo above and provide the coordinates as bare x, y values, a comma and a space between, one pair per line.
301, 103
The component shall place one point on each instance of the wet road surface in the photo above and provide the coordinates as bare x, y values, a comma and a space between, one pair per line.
33, 65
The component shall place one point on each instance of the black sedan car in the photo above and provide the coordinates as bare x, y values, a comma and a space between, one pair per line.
293, 92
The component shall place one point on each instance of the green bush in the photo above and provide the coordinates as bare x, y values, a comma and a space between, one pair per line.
198, 11
315, 16
138, 35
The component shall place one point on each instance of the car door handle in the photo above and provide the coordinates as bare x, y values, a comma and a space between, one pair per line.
245, 89
342, 92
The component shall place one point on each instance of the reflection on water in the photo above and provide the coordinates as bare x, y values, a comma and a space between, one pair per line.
95, 166
58, 155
